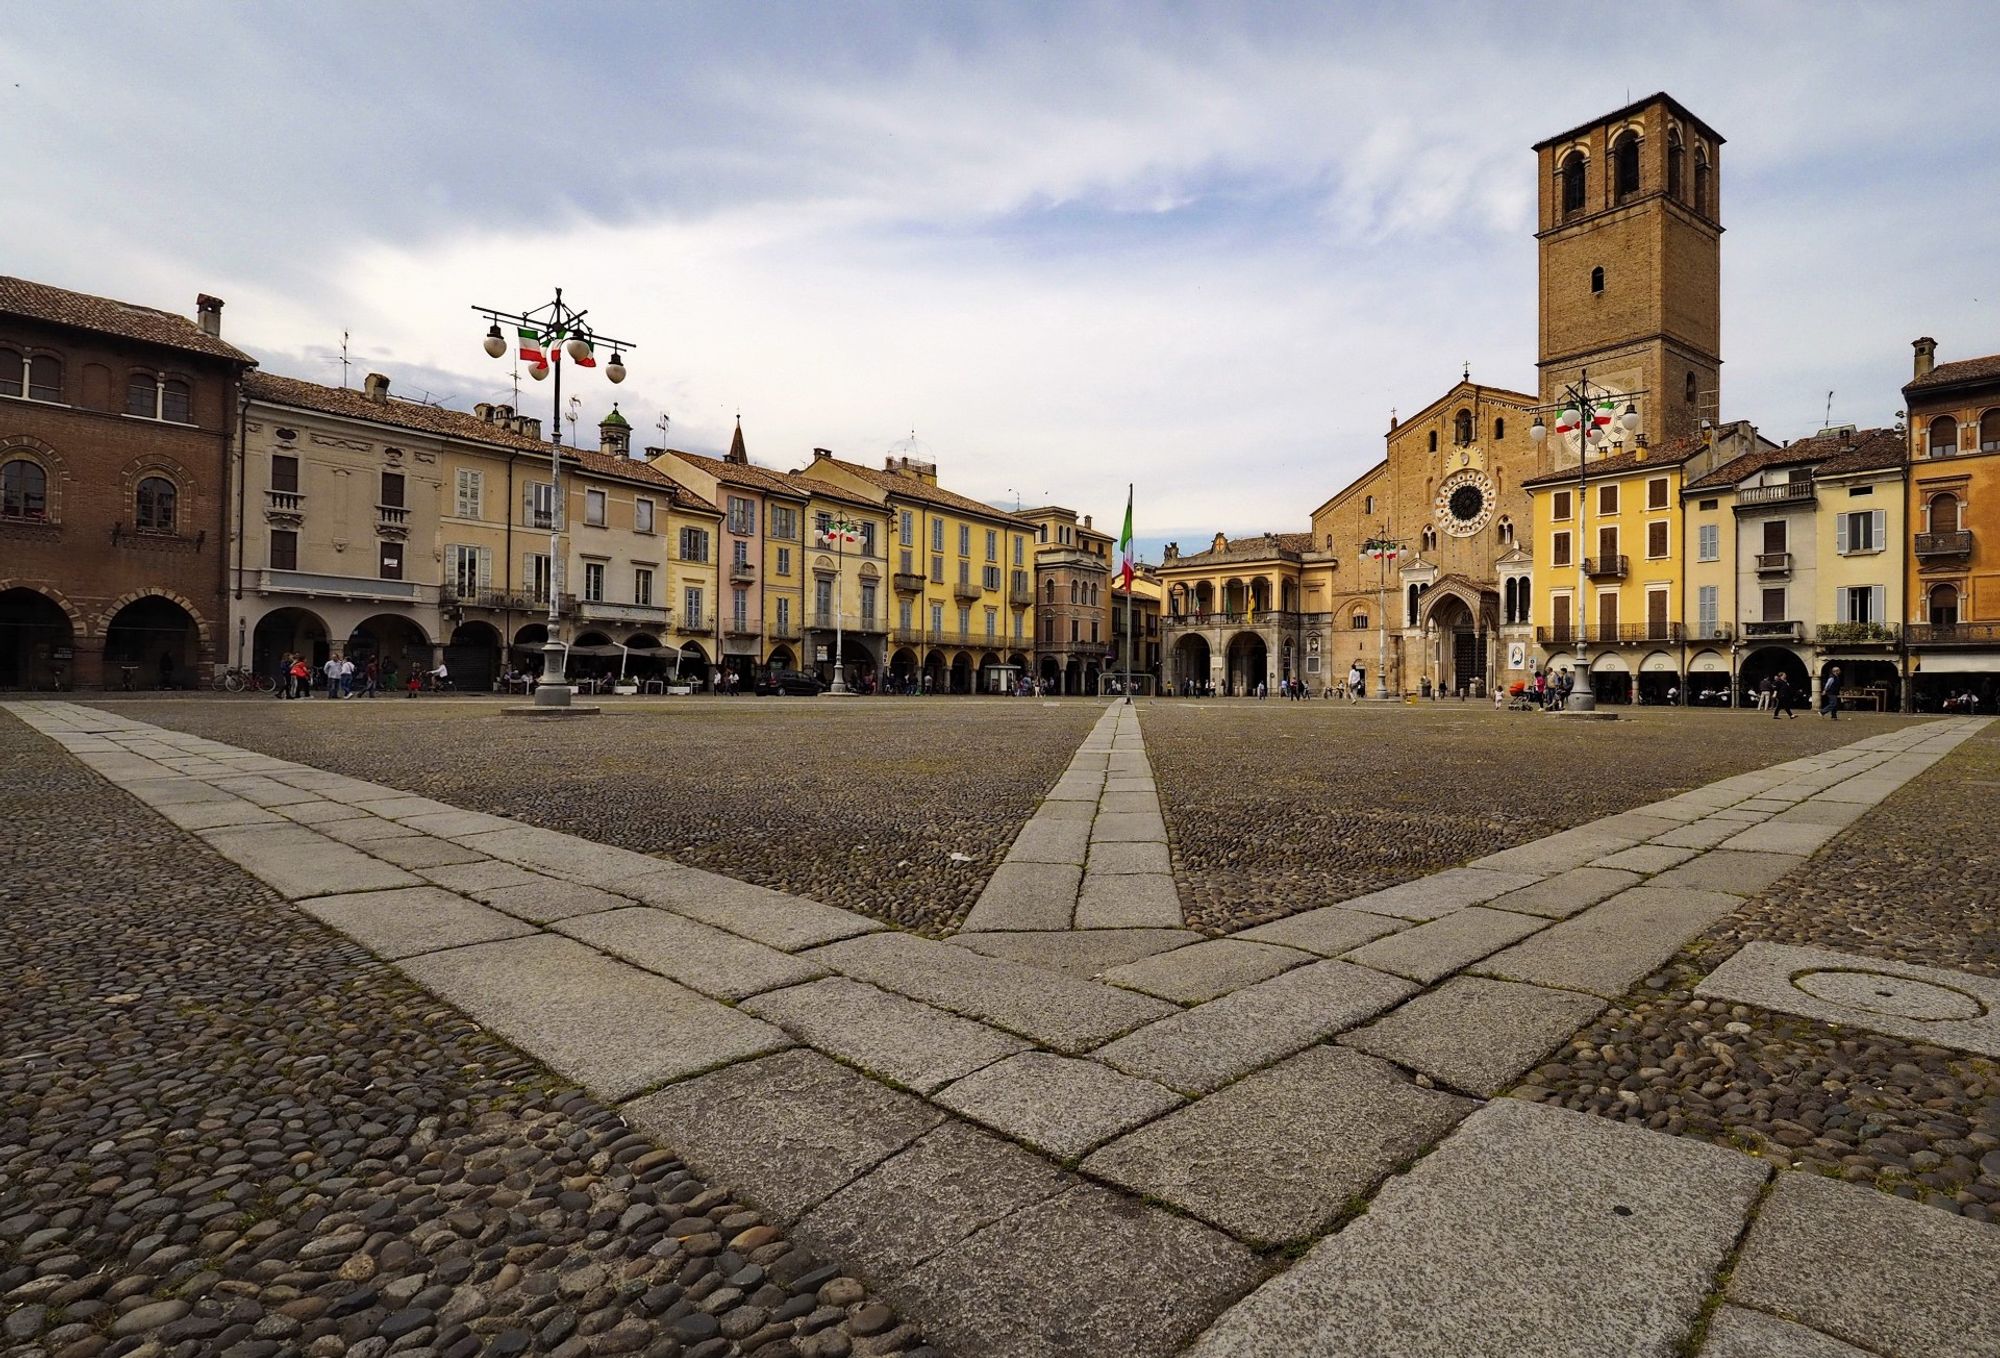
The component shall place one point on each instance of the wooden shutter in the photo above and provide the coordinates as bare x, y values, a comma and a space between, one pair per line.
1607, 615
1656, 612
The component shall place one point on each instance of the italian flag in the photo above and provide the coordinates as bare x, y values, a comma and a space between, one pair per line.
531, 346
589, 359
1598, 417
839, 531
1125, 546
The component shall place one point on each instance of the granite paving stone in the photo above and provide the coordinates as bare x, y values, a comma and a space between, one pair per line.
1080, 952
1475, 1034
1329, 931
1129, 783
1276, 1156
1024, 895
541, 899
1110, 858
1130, 804
1566, 893
218, 815
1613, 944
319, 811
1600, 1238
402, 806
924, 1199
1932, 1005
405, 921
264, 791
1205, 970
1128, 900
1705, 833
604, 1023
423, 851
483, 875
1555, 853
1076, 787
1197, 1050
158, 792
1084, 811
1739, 1332
1837, 814
789, 1130
297, 862
1127, 828
364, 828
1741, 874
719, 964
773, 918
1061, 1105
1633, 825
1049, 1008
1647, 857
1786, 837
553, 852
1048, 840
1108, 1275
1872, 1269
885, 1034
1435, 950
449, 823
1426, 898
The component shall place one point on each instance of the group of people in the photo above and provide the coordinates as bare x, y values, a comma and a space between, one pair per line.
341, 677
1776, 695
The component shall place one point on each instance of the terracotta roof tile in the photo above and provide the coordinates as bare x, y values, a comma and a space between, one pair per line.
1671, 454
1798, 453
743, 474
1951, 374
59, 306
910, 488
1874, 450
1263, 547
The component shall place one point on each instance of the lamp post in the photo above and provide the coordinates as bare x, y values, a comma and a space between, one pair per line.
1585, 409
545, 333
1384, 550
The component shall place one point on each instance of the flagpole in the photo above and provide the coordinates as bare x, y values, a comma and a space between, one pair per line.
839, 601
1128, 595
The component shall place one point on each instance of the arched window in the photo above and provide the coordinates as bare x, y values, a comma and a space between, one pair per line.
1989, 432
1461, 428
1597, 279
45, 374
1944, 513
1049, 591
1944, 605
1415, 594
12, 370
142, 395
156, 505
1573, 167
1359, 622
1368, 502
1703, 183
24, 490
1625, 166
1687, 388
1506, 529
1507, 599
1499, 428
176, 401
1944, 436
1676, 165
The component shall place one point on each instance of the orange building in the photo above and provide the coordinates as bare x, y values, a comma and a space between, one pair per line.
1954, 521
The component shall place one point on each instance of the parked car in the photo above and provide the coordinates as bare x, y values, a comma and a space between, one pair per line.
795, 683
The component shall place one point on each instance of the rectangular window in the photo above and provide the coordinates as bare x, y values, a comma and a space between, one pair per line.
784, 561
937, 535
1020, 547
642, 586
903, 614
537, 576
1607, 499
469, 493
992, 545
642, 515
541, 505
937, 618
937, 570
784, 617
392, 560
1709, 505
965, 572
593, 581
1656, 614
594, 508
868, 540
1656, 493
392, 490
1020, 582
1607, 546
1559, 616
694, 544
742, 515
1863, 603
739, 610
1853, 491
1607, 614
1774, 535
906, 530
964, 621
471, 569
1559, 509
1708, 610
965, 539
992, 577
285, 474
783, 523
1708, 542
1559, 550
1656, 539
1863, 531
691, 607
867, 606
284, 550
992, 622
739, 555
1774, 605
906, 564
1073, 629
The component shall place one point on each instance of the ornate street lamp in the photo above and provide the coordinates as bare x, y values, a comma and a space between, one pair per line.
1384, 550
1585, 410
545, 332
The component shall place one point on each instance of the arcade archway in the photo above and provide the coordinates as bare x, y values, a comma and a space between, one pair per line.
155, 641
1248, 663
1191, 664
37, 641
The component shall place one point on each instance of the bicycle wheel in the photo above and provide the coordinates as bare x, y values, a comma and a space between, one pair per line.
232, 681
263, 683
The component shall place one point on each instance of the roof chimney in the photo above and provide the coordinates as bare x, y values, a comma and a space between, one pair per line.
484, 410
1926, 355
376, 388
1086, 521
208, 310
531, 425
819, 453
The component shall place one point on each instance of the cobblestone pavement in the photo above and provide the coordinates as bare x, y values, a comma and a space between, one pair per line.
1276, 807
1915, 880
1280, 1142
226, 1129
902, 819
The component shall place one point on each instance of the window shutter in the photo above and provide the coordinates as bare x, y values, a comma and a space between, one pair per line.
486, 568
1842, 599
1878, 522
1878, 601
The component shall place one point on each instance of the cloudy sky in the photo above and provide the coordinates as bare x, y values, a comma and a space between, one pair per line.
1203, 248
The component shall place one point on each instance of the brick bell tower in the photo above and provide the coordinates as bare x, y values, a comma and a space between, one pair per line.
1630, 251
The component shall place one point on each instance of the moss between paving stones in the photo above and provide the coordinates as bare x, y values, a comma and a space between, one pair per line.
1913, 880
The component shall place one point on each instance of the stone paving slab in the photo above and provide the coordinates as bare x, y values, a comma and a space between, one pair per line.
1076, 787
423, 851
1433, 951
1128, 900
1786, 837
320, 811
1426, 898
605, 1024
1612, 945
1836, 814
1197, 1050
1276, 1156
486, 874
264, 791
1738, 1332
1476, 1034
364, 829
1025, 895
449, 823
1130, 783
218, 815
543, 899
1067, 811
1112, 827
1049, 840
1740, 874
297, 862
1925, 1004
1328, 931
1705, 833
1875, 1270
888, 1035
787, 923
1203, 971
550, 851
411, 920
1566, 893
1080, 952
789, 1131
716, 963
1113, 858
159, 792
1049, 1008
1087, 1272
1061, 1105
1130, 804
923, 1200
1532, 1232
1555, 853
1646, 857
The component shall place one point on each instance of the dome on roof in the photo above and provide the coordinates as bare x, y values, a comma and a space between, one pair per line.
913, 448
614, 418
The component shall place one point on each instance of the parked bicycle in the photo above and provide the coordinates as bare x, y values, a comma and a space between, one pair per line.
236, 679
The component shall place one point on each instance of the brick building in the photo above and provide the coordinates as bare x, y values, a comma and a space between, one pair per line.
115, 429
1072, 598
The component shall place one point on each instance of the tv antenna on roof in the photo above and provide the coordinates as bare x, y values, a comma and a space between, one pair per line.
1827, 423
343, 360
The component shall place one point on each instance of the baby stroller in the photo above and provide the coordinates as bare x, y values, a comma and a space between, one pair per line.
1520, 698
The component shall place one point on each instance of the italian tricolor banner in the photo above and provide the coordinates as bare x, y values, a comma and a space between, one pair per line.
1125, 546
1598, 417
589, 359
840, 531
531, 347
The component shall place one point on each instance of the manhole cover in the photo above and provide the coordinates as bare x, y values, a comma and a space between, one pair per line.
1878, 993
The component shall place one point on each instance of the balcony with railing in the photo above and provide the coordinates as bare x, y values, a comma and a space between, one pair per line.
1774, 629
357, 587
1787, 493
1953, 633
1262, 617
503, 600
1858, 633
784, 630
967, 590
1774, 563
1608, 567
923, 637
284, 506
742, 572
695, 625
640, 615
1615, 634
908, 582
392, 516
1021, 598
825, 620
1936, 546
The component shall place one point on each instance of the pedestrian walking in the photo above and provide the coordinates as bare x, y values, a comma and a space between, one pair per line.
283, 688
1829, 694
301, 679
371, 676
346, 678
331, 672
1781, 697
1766, 692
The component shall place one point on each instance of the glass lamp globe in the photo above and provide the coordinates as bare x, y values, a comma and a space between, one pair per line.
496, 343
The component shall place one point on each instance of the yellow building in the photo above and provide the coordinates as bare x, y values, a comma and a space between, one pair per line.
1860, 526
962, 573
1232, 617
845, 563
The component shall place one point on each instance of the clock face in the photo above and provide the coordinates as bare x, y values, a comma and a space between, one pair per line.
1464, 503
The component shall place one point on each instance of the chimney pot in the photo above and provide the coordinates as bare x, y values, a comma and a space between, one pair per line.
819, 453
376, 387
1926, 355
208, 311
531, 425
484, 410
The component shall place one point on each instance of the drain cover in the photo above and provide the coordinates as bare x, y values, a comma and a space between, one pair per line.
1898, 996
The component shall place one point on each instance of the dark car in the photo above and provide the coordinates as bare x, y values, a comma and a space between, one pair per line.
796, 683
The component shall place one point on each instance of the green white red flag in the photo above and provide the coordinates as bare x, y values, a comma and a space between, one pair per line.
531, 347
1125, 546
